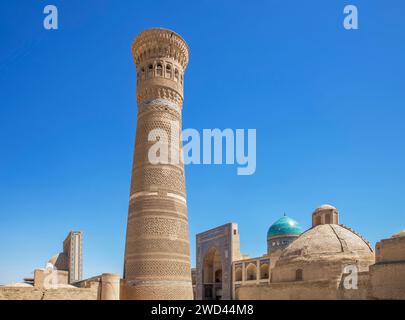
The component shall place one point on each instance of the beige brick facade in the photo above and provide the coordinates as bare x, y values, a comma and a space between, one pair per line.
318, 265
157, 253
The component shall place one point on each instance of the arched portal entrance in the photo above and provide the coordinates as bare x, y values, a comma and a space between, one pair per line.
212, 275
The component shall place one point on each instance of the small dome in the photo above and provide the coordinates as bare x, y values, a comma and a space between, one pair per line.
325, 207
284, 226
325, 214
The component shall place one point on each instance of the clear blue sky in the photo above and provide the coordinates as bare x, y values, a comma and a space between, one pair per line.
327, 103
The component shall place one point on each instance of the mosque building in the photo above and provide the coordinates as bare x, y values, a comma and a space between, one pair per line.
327, 261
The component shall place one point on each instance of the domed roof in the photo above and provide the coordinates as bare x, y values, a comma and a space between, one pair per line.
284, 226
328, 240
325, 207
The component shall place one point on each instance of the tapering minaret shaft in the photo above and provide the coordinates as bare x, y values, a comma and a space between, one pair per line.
157, 253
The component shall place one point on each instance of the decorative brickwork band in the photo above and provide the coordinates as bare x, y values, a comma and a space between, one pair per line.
157, 252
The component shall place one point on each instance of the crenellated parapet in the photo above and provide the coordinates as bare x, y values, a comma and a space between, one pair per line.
325, 214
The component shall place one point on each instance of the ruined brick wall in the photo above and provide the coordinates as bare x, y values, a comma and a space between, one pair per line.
312, 290
15, 293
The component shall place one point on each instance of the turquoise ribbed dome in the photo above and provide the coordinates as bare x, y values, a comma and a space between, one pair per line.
284, 226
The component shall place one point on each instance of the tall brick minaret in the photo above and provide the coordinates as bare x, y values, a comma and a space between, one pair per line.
157, 253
